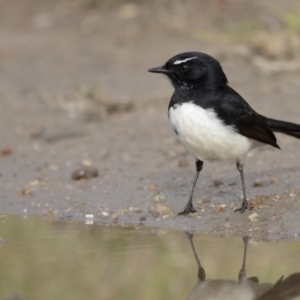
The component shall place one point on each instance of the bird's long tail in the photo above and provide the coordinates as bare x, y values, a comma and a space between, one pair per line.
288, 128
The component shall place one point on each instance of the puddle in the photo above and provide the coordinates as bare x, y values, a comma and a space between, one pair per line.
42, 259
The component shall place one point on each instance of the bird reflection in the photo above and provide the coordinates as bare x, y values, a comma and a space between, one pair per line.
245, 288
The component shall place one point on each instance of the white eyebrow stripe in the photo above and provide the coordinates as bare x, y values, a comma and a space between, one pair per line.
178, 62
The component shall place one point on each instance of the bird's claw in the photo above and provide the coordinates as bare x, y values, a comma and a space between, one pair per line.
188, 209
242, 209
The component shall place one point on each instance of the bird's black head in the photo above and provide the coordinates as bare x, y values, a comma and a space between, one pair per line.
193, 69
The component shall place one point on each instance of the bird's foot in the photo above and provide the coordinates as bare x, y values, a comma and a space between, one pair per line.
188, 209
244, 206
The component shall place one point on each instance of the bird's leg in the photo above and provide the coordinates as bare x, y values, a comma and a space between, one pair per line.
245, 205
242, 274
201, 271
189, 206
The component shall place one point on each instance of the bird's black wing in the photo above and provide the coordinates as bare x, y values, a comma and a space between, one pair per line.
254, 126
235, 111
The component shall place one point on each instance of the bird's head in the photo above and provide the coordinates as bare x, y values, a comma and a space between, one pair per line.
190, 69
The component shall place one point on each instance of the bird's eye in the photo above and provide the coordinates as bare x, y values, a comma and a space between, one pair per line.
183, 68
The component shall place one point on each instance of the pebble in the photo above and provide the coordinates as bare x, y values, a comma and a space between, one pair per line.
258, 183
161, 209
221, 208
89, 219
253, 217
5, 151
135, 209
218, 183
26, 191
85, 172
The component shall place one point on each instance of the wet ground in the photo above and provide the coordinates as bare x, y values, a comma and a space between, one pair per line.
75, 93
43, 259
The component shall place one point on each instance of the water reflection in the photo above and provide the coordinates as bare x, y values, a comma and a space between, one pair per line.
245, 288
42, 259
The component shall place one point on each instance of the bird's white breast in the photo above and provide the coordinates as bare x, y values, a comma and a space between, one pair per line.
206, 136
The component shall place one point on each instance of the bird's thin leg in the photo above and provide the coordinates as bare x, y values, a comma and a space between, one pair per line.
201, 271
245, 205
189, 206
242, 274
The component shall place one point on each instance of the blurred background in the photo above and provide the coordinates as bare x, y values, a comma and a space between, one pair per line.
60, 45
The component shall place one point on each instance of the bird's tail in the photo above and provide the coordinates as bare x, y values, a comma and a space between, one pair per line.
288, 128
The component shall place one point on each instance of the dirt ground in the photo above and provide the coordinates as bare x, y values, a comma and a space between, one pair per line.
75, 92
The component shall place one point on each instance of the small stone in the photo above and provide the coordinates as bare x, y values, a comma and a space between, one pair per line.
5, 151
253, 217
218, 183
89, 219
85, 172
135, 209
258, 183
161, 209
25, 191
89, 216
221, 208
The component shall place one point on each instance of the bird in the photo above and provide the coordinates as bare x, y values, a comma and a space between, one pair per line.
212, 120
245, 288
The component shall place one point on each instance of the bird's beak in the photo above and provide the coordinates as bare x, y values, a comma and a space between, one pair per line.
161, 69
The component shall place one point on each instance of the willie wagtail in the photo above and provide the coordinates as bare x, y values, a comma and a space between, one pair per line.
211, 119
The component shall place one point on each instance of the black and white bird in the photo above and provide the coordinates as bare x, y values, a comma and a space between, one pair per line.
211, 119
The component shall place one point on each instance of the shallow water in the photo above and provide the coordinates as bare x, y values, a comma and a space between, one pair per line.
42, 259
